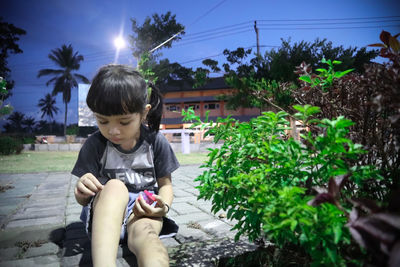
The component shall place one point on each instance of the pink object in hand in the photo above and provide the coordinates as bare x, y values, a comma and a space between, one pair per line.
148, 197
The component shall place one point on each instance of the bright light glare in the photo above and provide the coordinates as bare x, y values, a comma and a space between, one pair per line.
119, 42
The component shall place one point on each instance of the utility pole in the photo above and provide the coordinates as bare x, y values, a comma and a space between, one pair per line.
258, 43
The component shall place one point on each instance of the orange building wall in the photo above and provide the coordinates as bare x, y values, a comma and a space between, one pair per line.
201, 111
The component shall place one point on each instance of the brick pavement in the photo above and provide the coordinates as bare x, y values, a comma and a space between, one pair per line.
40, 224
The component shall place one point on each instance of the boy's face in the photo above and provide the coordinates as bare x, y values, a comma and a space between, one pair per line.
123, 130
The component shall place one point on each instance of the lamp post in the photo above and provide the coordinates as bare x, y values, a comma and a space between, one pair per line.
119, 43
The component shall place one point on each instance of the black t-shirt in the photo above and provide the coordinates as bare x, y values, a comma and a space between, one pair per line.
139, 168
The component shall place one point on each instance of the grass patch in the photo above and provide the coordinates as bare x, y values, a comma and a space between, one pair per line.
64, 161
38, 161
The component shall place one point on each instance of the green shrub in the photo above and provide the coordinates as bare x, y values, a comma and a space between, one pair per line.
10, 145
265, 179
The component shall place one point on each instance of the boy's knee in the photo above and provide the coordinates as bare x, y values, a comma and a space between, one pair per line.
142, 236
115, 189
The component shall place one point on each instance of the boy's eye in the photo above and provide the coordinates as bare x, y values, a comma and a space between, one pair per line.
103, 122
125, 122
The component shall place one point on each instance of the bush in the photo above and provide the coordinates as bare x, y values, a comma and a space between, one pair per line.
10, 145
265, 180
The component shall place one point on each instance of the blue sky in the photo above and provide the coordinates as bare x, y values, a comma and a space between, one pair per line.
90, 27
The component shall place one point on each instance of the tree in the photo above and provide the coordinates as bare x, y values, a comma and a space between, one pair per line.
9, 35
29, 124
48, 107
153, 32
64, 79
15, 122
246, 74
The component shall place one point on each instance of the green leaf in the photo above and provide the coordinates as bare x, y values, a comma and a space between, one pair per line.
299, 108
344, 123
305, 78
322, 70
340, 74
337, 62
293, 225
337, 230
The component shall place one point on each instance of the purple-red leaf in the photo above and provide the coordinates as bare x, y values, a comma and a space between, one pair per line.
394, 257
366, 204
333, 189
384, 36
377, 45
341, 180
321, 198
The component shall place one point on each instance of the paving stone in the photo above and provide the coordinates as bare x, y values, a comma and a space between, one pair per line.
183, 200
187, 234
169, 242
45, 261
8, 253
181, 193
55, 220
36, 213
194, 217
184, 208
43, 250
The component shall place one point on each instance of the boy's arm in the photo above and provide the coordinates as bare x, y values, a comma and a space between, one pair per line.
165, 190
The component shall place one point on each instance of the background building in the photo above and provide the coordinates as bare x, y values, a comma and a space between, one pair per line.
202, 99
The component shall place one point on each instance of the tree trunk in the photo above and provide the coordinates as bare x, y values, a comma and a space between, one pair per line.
65, 119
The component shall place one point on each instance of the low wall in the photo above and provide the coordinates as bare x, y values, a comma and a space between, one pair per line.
176, 147
53, 147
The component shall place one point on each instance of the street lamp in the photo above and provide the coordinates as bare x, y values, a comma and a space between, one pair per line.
119, 43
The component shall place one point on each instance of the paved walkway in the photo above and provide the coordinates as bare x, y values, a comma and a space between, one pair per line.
40, 225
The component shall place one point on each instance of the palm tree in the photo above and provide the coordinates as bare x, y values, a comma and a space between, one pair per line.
64, 80
15, 122
29, 124
48, 107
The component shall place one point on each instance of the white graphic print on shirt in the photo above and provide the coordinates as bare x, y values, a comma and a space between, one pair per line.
135, 169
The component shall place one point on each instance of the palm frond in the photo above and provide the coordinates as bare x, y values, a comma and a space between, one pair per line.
45, 72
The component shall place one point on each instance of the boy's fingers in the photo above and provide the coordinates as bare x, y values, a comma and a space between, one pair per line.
84, 190
91, 185
90, 177
138, 211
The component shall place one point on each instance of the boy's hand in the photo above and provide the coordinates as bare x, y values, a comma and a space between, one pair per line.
141, 208
87, 186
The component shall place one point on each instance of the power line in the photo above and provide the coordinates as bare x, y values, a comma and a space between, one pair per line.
195, 21
362, 18
211, 38
329, 23
333, 28
208, 12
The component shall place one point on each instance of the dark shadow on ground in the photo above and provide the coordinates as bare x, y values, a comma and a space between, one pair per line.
76, 248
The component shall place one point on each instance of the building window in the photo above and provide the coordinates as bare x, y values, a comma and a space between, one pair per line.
193, 106
213, 106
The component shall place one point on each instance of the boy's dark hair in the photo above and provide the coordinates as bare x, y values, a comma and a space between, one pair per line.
120, 89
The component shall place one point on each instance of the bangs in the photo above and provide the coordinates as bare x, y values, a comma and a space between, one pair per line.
116, 94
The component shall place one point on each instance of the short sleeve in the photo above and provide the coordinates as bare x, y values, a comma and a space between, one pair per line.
165, 161
90, 155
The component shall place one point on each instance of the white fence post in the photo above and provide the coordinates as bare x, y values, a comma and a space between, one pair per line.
185, 139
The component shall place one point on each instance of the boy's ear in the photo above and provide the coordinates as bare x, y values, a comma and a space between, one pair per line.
146, 111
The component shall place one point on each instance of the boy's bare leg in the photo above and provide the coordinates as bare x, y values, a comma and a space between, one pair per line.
108, 212
144, 242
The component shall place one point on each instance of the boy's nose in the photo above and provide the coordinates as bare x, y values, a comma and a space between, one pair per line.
113, 131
